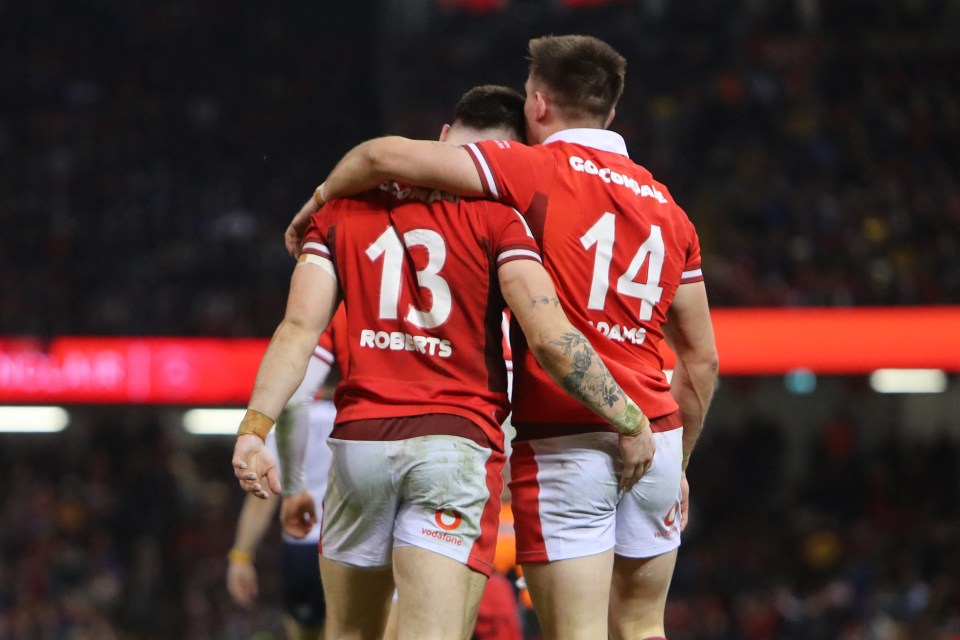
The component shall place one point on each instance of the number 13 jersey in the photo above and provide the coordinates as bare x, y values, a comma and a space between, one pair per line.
617, 246
417, 269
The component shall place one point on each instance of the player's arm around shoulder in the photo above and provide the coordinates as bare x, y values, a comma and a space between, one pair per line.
567, 356
424, 163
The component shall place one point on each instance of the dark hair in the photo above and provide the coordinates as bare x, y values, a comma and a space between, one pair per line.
490, 106
582, 73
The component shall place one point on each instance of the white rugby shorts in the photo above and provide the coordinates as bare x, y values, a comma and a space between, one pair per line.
440, 493
566, 503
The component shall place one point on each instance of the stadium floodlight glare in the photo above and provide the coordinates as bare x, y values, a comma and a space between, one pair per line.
28, 419
908, 381
212, 422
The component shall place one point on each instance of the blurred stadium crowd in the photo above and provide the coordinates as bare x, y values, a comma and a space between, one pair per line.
120, 530
154, 152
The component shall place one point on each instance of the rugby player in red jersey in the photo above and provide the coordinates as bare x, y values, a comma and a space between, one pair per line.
304, 460
417, 447
626, 263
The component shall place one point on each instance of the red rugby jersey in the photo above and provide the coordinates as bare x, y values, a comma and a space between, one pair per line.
418, 273
617, 246
332, 345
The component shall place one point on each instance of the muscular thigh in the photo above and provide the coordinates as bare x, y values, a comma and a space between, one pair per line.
564, 493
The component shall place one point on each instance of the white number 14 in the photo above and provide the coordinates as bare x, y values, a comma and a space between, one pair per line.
603, 235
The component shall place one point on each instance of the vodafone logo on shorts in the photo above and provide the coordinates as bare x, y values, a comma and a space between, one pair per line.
448, 519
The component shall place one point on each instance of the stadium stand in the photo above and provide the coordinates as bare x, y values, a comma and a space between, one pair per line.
153, 153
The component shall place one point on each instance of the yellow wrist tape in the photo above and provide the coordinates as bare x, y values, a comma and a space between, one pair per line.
685, 461
631, 421
256, 423
239, 556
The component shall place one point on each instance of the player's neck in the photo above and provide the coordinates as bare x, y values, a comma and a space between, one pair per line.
562, 125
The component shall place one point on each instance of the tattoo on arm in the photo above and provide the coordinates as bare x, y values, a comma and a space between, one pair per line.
553, 301
590, 381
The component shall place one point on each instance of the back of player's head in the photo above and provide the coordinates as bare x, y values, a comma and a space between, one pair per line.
583, 75
490, 107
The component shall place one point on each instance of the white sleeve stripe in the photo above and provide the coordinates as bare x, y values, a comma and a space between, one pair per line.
524, 222
322, 354
516, 253
695, 273
323, 263
486, 175
316, 246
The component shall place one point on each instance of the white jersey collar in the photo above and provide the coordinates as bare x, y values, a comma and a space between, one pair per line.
600, 139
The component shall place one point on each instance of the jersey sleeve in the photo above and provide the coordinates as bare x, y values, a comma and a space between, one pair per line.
510, 235
315, 248
332, 347
324, 348
511, 172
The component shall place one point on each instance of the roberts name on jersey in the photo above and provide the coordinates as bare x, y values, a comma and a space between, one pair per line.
398, 341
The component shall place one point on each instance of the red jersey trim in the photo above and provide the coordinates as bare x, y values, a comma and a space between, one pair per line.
483, 169
539, 430
691, 275
518, 254
316, 249
406, 427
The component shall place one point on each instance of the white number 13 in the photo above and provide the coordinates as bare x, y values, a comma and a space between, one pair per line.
388, 245
603, 234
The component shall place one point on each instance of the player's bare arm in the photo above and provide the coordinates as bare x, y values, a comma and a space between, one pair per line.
586, 380
310, 305
689, 333
567, 356
254, 520
425, 163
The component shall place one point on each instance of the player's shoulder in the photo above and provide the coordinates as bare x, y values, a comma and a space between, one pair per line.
660, 191
341, 214
374, 200
520, 150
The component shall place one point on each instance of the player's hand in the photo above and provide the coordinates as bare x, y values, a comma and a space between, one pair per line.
255, 467
637, 454
298, 514
684, 501
242, 583
293, 237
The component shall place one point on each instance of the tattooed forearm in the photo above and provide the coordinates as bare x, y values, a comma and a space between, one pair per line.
590, 381
545, 301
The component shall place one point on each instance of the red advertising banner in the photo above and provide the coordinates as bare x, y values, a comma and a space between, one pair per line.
129, 370
838, 341
212, 371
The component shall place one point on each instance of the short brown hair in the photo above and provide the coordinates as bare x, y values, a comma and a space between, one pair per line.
583, 73
490, 106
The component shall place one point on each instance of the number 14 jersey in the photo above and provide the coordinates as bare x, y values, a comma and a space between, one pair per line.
617, 247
